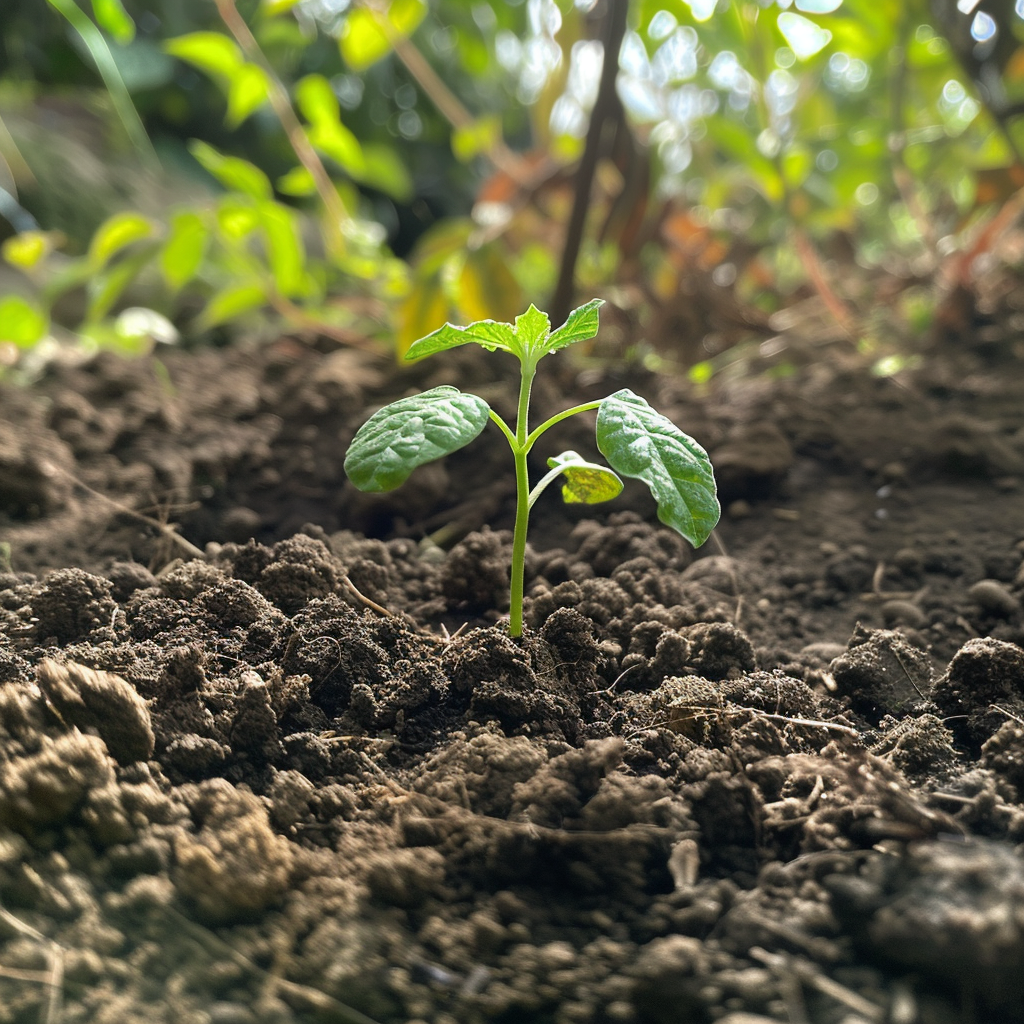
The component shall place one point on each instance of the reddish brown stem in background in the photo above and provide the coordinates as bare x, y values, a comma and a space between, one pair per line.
604, 106
811, 262
279, 100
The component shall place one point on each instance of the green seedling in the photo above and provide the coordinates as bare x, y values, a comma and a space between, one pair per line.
636, 440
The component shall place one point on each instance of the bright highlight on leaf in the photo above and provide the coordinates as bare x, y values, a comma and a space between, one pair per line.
804, 37
111, 16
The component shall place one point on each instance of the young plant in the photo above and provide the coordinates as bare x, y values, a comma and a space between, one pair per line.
635, 439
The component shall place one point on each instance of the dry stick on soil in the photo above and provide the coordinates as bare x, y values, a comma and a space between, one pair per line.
604, 106
701, 711
165, 530
53, 978
782, 965
315, 998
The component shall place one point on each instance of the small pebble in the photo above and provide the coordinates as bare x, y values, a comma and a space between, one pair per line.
993, 597
903, 613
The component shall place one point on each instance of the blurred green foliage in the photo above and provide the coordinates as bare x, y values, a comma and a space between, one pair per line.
372, 168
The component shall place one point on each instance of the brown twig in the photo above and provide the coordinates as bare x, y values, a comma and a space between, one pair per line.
604, 108
53, 977
297, 137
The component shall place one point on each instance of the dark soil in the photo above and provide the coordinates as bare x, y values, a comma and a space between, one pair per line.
295, 770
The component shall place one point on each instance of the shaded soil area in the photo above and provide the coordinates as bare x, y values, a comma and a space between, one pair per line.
283, 764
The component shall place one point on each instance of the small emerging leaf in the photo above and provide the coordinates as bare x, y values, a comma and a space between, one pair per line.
488, 333
639, 442
586, 483
532, 329
581, 325
411, 432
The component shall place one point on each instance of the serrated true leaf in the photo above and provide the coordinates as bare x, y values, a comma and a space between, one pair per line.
488, 333
639, 442
411, 432
580, 325
532, 329
587, 483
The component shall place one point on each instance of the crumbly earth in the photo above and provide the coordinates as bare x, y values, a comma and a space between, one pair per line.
293, 769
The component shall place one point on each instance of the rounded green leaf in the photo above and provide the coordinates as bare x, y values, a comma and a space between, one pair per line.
411, 432
231, 171
639, 442
586, 483
248, 91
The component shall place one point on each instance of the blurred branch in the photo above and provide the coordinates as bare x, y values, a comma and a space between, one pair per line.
106, 66
604, 108
297, 137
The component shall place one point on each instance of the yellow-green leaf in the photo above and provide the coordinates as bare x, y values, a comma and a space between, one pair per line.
115, 234
423, 311
105, 288
27, 249
236, 218
486, 288
367, 35
22, 322
319, 106
231, 171
297, 182
184, 249
113, 18
272, 8
385, 170
285, 252
586, 483
476, 138
232, 302
212, 52
247, 92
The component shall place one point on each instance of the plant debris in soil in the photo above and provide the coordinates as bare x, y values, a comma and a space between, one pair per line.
267, 753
